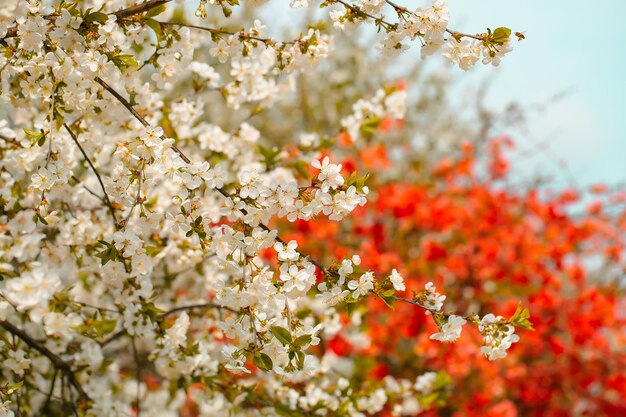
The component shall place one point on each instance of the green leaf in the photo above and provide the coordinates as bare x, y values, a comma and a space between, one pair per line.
155, 11
156, 28
281, 334
96, 328
125, 61
35, 136
270, 155
388, 301
389, 293
262, 361
303, 340
283, 410
14, 387
96, 17
302, 168
501, 35
351, 307
521, 318
152, 311
299, 359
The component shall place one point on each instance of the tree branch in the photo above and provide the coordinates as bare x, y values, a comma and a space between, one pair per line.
196, 307
56, 360
241, 34
120, 14
139, 8
106, 199
138, 116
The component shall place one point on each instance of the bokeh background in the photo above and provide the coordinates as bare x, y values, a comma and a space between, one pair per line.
568, 76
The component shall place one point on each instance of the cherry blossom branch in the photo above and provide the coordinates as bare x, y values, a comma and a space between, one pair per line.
277, 238
401, 9
355, 9
106, 198
112, 338
120, 14
56, 360
138, 116
196, 307
167, 313
241, 34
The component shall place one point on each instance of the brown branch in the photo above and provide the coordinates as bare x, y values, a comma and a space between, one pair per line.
106, 199
195, 307
112, 338
241, 34
138, 116
358, 11
44, 407
139, 8
120, 14
56, 360
401, 9
162, 316
137, 377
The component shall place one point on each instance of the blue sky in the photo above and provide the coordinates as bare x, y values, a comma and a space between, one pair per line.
571, 46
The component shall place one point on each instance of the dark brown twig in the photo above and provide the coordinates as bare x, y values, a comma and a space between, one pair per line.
56, 360
106, 199
139, 8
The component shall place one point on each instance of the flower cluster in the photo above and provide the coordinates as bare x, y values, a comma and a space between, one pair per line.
498, 335
429, 24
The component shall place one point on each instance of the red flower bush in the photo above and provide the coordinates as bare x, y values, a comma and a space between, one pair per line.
483, 241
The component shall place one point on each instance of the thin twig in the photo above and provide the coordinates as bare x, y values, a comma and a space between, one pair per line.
195, 307
455, 34
107, 201
120, 14
90, 191
49, 395
139, 8
112, 338
137, 199
358, 11
241, 34
138, 116
137, 376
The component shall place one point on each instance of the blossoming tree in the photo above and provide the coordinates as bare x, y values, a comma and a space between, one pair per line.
142, 269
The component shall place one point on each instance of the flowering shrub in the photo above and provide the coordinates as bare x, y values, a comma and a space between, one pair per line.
490, 246
142, 269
